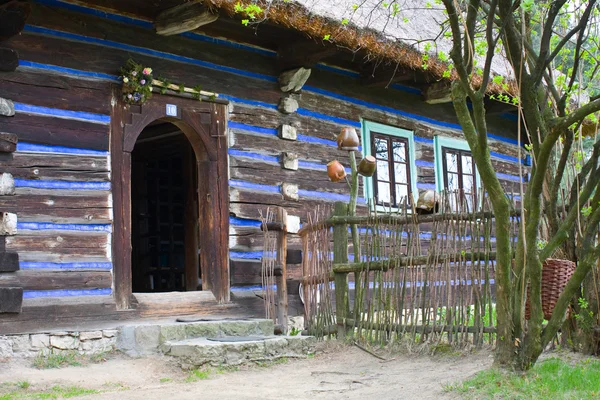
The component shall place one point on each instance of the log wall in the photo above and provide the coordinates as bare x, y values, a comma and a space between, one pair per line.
70, 57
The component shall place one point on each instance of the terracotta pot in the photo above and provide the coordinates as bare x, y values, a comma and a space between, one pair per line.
367, 166
348, 140
336, 171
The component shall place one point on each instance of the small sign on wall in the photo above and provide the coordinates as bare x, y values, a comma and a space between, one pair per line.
171, 110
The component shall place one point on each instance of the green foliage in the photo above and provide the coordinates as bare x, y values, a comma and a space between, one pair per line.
22, 390
295, 331
550, 379
67, 359
585, 318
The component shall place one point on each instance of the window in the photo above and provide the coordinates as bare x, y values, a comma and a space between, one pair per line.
393, 149
456, 172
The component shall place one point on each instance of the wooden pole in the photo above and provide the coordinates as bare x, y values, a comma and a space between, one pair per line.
281, 279
340, 256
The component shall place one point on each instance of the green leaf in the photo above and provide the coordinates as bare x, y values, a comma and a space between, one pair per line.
326, 37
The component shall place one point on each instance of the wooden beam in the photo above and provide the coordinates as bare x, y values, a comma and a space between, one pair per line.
12, 18
53, 280
183, 18
385, 76
9, 60
305, 53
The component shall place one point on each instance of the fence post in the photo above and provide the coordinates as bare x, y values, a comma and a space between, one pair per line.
281, 279
340, 255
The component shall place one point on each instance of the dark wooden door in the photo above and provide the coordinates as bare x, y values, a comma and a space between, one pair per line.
162, 237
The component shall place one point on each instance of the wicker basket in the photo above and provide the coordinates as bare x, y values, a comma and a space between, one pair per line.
555, 275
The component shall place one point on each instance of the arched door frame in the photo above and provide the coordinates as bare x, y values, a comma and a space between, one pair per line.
205, 126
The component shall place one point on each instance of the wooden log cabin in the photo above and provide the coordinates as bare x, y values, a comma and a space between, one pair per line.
105, 202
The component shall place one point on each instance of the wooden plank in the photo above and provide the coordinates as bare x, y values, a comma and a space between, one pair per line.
90, 243
281, 280
56, 131
58, 92
11, 299
303, 53
183, 18
54, 280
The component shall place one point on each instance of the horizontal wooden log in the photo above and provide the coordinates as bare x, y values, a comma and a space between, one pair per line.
75, 162
57, 257
88, 243
183, 18
54, 280
56, 131
11, 299
35, 173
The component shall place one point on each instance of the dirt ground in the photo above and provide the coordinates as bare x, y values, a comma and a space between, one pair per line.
339, 372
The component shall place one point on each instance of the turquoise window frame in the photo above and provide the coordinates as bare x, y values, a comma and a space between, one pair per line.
366, 128
443, 141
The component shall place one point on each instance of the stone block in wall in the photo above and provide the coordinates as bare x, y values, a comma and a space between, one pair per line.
293, 223
21, 344
8, 224
8, 142
11, 299
290, 161
7, 107
64, 342
110, 333
289, 191
294, 79
7, 184
98, 345
6, 347
288, 105
40, 341
9, 262
90, 335
288, 132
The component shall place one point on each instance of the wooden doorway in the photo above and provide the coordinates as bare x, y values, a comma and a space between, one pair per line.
164, 205
203, 125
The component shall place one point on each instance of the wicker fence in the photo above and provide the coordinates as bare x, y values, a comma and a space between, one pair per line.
425, 277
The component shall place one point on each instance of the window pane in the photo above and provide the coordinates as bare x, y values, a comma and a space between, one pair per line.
383, 170
383, 192
381, 148
468, 183
401, 193
452, 182
399, 150
451, 162
400, 173
467, 164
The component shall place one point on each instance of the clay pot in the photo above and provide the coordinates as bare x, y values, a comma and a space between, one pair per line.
427, 202
336, 171
348, 140
367, 166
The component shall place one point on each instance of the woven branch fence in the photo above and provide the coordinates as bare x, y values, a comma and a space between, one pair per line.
423, 277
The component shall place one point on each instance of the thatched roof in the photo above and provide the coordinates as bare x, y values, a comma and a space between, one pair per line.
397, 36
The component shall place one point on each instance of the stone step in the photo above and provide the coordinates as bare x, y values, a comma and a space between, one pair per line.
203, 351
147, 338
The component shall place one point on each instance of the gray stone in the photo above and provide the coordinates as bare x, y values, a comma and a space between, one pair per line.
290, 161
40, 341
97, 346
289, 191
7, 184
6, 347
293, 80
110, 333
21, 344
288, 105
8, 224
7, 107
288, 132
90, 335
64, 342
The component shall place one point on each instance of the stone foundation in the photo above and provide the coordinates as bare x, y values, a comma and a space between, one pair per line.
87, 342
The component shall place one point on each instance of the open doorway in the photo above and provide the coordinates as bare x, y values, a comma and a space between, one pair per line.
164, 205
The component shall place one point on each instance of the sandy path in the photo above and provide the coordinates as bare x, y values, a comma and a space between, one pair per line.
342, 373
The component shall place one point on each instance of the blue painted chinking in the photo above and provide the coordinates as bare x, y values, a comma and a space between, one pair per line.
206, 64
52, 184
66, 266
47, 226
24, 147
34, 294
65, 114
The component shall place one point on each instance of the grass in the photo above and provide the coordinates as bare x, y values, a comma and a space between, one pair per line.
549, 379
19, 391
67, 359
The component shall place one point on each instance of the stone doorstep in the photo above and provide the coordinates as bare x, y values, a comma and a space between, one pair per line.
147, 339
201, 351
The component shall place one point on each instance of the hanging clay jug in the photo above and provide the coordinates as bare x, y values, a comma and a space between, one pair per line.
336, 171
367, 165
348, 140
